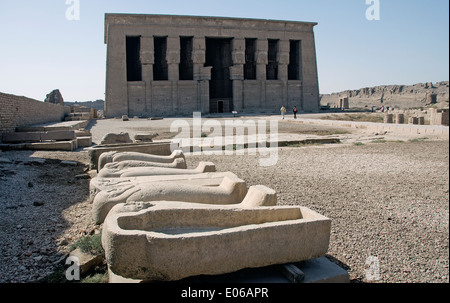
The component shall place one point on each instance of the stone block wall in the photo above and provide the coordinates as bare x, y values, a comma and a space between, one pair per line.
18, 111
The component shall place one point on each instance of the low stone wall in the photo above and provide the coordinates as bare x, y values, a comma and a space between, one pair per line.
16, 111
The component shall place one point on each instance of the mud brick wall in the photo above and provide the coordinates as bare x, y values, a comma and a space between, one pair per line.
18, 111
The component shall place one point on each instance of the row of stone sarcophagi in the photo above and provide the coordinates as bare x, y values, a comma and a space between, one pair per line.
164, 222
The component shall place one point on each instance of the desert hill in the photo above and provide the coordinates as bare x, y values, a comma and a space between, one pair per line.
398, 96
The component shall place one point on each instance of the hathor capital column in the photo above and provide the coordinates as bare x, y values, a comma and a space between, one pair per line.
147, 60
237, 72
202, 74
173, 61
283, 62
262, 59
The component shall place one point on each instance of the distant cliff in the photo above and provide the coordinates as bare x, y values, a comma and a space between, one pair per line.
398, 96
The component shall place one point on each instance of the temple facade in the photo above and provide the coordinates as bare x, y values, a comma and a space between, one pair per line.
163, 65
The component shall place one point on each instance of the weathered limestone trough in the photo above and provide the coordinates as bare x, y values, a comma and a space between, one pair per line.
168, 241
232, 190
113, 156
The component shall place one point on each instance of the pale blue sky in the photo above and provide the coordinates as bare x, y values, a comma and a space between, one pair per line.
40, 50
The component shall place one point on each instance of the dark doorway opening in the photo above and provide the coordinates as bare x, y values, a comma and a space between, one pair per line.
160, 68
250, 59
220, 107
295, 59
272, 66
218, 55
186, 64
133, 49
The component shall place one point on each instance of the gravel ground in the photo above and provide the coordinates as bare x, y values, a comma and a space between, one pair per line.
386, 200
44, 207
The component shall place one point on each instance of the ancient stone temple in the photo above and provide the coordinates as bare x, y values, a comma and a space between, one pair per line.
161, 65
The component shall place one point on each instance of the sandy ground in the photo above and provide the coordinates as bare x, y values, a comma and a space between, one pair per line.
388, 200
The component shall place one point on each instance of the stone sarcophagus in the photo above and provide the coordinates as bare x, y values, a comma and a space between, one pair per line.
232, 190
168, 223
141, 168
113, 156
203, 179
168, 241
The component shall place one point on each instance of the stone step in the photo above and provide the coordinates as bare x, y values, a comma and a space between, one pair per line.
84, 141
55, 145
67, 125
18, 137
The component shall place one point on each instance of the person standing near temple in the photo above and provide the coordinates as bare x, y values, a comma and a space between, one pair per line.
283, 111
295, 112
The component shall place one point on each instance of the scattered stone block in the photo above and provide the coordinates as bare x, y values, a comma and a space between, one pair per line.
83, 133
84, 141
69, 163
116, 138
82, 176
34, 161
57, 145
59, 135
21, 137
125, 118
146, 137
86, 261
293, 273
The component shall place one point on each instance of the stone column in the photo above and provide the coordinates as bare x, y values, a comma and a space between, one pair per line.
262, 59
283, 62
262, 48
237, 76
203, 88
147, 58
173, 57
202, 74
147, 61
237, 73
173, 61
